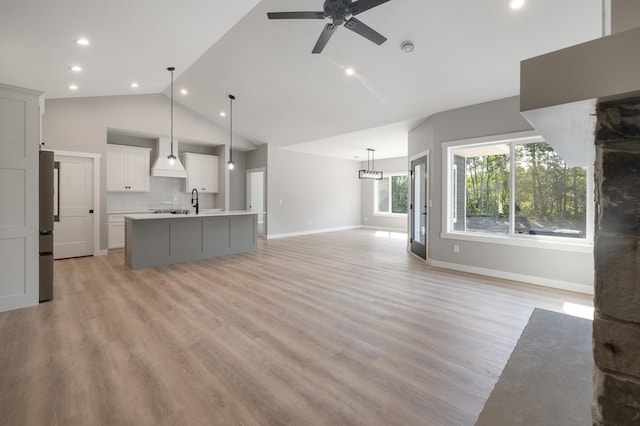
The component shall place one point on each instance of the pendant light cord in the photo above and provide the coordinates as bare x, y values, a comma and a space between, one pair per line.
171, 69
231, 99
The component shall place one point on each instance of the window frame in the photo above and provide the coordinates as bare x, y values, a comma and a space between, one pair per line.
512, 238
388, 175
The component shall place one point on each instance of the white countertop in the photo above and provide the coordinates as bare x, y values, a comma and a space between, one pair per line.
206, 213
125, 212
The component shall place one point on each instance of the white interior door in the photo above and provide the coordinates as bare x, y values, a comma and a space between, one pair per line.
73, 233
19, 138
255, 196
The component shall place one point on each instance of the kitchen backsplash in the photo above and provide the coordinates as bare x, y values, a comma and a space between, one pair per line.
165, 193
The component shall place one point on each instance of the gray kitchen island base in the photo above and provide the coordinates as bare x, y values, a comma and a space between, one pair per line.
156, 240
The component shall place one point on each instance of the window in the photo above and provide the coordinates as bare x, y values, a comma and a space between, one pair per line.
519, 188
390, 194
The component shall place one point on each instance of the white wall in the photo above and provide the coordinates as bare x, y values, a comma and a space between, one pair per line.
80, 124
548, 266
368, 218
308, 193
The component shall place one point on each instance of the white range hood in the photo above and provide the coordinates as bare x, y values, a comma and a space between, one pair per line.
162, 166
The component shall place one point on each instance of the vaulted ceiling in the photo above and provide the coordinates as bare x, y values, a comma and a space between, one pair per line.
467, 51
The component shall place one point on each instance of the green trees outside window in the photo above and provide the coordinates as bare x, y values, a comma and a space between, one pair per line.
391, 194
527, 181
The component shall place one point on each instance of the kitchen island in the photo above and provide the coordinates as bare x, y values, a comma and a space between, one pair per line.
163, 239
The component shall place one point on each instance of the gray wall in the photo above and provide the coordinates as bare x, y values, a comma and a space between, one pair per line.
238, 182
245, 160
81, 124
257, 158
552, 266
308, 193
625, 15
368, 218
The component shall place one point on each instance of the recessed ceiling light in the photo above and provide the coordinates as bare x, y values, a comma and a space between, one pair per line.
76, 68
223, 114
349, 71
82, 41
184, 91
516, 4
73, 87
134, 85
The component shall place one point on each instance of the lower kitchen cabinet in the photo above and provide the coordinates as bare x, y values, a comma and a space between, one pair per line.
156, 240
115, 231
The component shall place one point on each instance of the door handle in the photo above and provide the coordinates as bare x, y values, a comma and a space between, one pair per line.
56, 216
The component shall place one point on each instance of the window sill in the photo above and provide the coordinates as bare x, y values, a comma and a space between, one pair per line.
563, 244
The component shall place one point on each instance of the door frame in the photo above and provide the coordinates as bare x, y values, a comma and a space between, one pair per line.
427, 155
96, 194
264, 194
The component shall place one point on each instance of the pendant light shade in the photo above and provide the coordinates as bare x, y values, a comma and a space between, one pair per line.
231, 164
370, 172
171, 157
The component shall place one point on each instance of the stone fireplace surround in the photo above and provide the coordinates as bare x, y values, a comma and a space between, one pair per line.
616, 326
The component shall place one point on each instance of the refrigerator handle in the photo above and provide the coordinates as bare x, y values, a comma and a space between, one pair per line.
56, 213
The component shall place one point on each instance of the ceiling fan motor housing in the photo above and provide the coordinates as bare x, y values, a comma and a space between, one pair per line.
336, 10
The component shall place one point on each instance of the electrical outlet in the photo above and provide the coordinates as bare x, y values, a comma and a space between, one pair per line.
365, 218
456, 248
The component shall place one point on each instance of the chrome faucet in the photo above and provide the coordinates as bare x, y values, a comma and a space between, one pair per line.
194, 200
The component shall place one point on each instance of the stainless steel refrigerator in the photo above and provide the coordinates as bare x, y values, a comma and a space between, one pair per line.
47, 206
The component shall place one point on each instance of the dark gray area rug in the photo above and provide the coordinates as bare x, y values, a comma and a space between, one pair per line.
548, 378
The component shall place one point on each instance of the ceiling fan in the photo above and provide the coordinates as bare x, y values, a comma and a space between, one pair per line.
341, 12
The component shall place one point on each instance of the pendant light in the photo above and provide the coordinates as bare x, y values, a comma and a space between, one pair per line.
231, 163
171, 157
370, 172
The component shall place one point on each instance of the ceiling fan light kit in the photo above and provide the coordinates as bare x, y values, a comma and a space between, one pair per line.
340, 12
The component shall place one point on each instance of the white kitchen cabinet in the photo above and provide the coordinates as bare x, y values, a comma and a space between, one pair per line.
127, 168
115, 227
202, 172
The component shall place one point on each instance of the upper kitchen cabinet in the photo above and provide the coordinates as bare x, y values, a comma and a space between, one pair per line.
202, 172
127, 169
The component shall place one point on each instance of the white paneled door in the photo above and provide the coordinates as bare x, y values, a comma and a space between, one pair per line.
19, 138
73, 232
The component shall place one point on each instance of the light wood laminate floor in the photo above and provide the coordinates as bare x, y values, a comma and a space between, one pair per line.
341, 328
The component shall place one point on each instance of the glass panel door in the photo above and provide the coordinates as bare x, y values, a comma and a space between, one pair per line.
419, 207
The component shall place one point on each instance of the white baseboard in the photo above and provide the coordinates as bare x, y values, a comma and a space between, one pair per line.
101, 252
529, 279
311, 231
385, 228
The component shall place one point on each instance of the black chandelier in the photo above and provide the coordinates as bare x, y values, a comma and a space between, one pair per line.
370, 172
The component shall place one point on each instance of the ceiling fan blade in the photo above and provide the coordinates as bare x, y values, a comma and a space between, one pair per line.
365, 31
326, 34
295, 15
363, 5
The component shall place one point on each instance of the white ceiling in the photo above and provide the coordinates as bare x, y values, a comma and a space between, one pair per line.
468, 51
